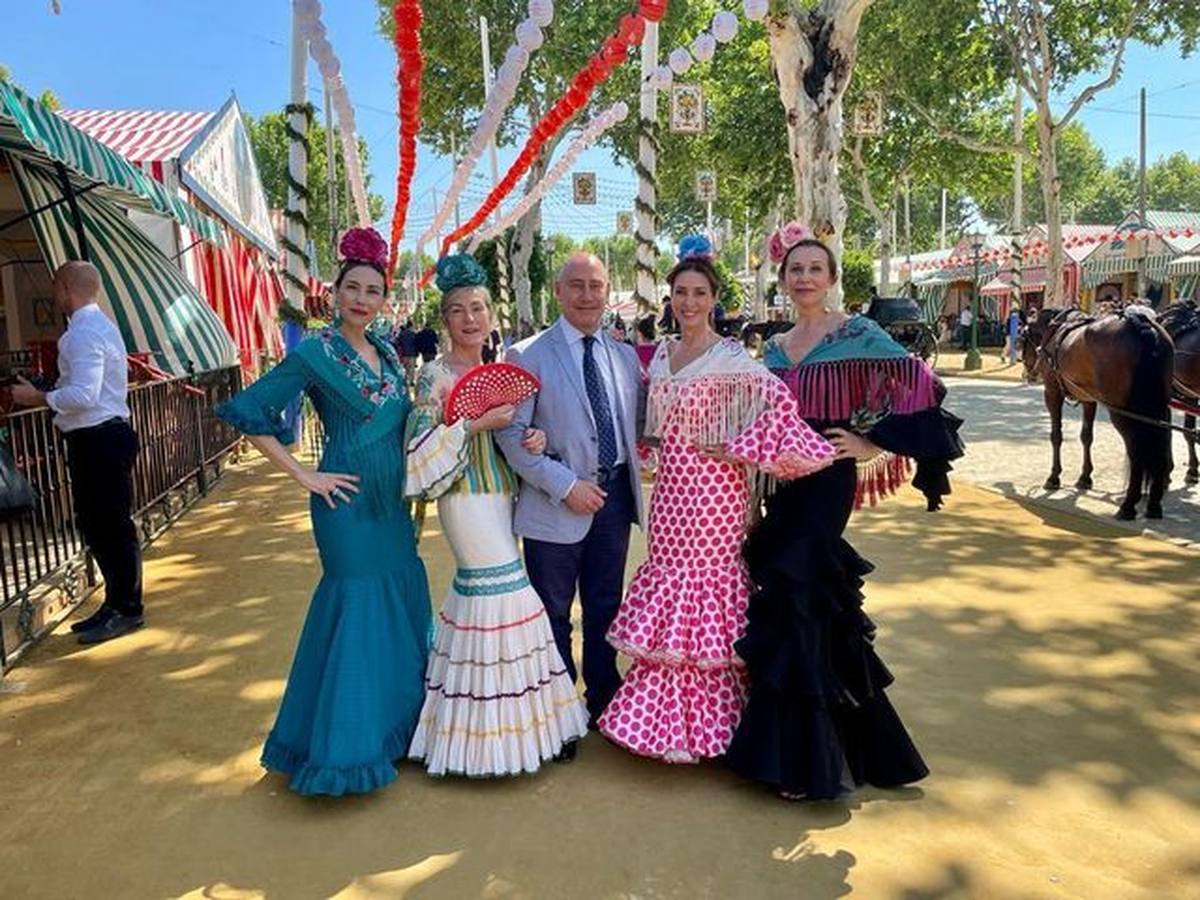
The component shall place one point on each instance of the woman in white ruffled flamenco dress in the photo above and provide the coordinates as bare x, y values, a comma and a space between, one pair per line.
498, 698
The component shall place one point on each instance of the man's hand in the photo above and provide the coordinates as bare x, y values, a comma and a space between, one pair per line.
534, 441
25, 394
585, 498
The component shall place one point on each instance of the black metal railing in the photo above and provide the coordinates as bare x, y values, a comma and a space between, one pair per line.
43, 564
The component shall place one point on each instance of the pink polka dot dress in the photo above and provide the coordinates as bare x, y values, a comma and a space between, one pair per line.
686, 606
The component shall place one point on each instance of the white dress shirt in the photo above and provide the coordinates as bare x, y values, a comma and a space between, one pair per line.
607, 374
93, 378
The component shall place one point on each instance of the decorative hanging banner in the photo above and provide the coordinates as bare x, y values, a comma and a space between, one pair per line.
868, 115
308, 12
595, 129
584, 188
687, 108
407, 39
516, 60
706, 186
613, 52
1037, 249
625, 222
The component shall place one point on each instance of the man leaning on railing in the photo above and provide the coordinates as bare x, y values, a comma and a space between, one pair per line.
92, 412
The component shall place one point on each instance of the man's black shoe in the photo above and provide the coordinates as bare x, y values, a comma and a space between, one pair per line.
567, 753
96, 618
114, 626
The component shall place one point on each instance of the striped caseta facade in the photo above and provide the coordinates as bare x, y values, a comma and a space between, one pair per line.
155, 306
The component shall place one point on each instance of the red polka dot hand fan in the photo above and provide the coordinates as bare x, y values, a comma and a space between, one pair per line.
486, 387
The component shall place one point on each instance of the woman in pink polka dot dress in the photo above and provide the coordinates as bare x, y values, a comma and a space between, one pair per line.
724, 424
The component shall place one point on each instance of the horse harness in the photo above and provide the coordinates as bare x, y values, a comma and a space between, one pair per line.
1049, 350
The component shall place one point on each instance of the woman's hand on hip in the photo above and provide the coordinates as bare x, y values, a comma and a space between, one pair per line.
850, 445
330, 486
715, 452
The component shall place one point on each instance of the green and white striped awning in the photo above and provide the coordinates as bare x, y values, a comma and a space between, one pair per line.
1184, 265
30, 130
155, 306
932, 297
1098, 271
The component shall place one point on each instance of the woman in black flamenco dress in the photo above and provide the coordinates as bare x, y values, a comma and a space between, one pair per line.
817, 722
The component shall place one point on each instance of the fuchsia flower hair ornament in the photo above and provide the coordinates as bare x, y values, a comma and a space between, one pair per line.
786, 238
364, 245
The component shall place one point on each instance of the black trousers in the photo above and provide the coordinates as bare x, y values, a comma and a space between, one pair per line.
596, 565
100, 460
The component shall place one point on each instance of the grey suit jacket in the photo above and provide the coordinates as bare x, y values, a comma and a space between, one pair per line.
562, 411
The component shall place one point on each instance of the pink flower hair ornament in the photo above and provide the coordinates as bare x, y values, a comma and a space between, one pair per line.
786, 238
365, 245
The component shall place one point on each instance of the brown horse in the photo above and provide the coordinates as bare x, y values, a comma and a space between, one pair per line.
1123, 361
1182, 322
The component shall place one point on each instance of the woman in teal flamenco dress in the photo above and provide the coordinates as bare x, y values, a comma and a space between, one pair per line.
357, 680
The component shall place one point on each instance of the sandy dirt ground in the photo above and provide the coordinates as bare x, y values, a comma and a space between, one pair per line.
1047, 664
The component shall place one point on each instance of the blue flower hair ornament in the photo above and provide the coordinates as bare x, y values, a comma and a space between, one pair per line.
695, 246
459, 270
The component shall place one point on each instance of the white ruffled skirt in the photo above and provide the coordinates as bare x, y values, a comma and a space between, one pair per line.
498, 700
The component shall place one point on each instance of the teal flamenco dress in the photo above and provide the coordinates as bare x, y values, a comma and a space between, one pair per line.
357, 681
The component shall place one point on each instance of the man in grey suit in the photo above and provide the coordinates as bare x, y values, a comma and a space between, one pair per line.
580, 497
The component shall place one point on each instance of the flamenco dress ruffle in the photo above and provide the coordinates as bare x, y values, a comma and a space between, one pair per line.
817, 722
355, 687
686, 605
681, 699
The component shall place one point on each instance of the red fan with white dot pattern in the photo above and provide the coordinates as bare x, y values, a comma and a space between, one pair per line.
486, 387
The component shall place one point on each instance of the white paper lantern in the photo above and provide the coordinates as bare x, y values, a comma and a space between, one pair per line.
704, 46
725, 26
620, 111
680, 60
756, 10
664, 77
529, 35
541, 11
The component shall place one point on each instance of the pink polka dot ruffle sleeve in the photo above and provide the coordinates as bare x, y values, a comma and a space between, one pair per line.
779, 442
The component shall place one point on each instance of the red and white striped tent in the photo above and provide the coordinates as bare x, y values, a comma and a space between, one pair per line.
203, 156
152, 139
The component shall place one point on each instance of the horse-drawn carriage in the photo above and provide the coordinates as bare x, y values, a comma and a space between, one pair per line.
901, 317
898, 316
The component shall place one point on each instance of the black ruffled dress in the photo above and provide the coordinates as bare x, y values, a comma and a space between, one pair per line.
818, 722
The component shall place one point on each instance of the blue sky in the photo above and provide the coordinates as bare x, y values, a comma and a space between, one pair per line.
172, 54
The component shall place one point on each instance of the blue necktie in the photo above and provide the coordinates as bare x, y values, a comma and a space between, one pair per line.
598, 398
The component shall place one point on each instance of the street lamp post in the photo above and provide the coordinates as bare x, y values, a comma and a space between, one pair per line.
974, 361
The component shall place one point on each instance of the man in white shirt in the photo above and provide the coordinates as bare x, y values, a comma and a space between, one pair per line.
89, 402
965, 318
